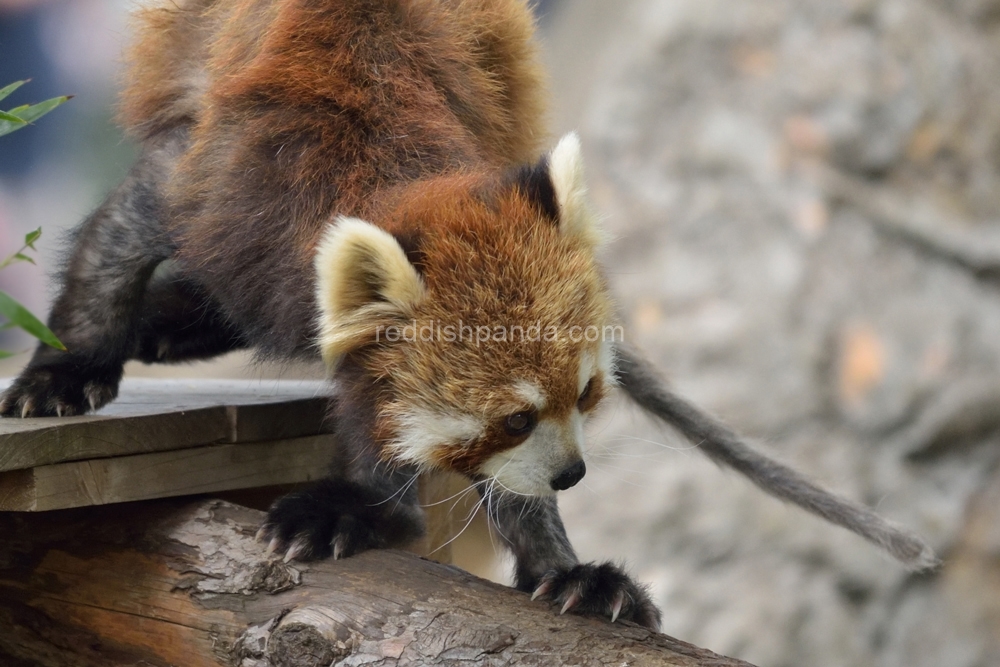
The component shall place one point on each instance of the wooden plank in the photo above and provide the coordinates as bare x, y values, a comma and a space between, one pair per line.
153, 415
53, 440
163, 474
293, 418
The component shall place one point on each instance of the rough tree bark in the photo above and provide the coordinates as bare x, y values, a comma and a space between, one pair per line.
184, 583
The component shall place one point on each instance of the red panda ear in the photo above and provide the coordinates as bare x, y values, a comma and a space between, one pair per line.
535, 184
576, 217
363, 280
555, 184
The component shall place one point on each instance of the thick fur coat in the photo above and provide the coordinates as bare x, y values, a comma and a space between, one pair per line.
316, 175
299, 111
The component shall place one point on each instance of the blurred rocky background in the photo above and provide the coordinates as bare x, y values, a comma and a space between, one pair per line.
805, 197
805, 203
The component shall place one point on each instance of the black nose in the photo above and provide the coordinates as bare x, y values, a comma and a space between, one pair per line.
570, 476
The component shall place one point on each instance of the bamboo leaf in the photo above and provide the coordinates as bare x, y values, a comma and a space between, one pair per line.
36, 111
11, 118
22, 257
29, 113
7, 90
4, 354
31, 237
6, 126
22, 317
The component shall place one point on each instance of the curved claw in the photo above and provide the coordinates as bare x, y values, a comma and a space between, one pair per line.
294, 551
616, 607
272, 547
261, 534
600, 589
570, 602
543, 589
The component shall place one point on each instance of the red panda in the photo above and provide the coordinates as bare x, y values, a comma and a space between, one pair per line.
318, 175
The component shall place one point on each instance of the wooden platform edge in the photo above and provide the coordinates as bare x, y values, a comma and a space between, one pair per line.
149, 417
194, 470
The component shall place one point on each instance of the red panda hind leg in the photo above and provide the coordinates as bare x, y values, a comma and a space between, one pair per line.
179, 321
115, 251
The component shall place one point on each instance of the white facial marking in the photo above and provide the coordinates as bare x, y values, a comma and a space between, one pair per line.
531, 393
587, 367
603, 362
421, 432
606, 362
530, 467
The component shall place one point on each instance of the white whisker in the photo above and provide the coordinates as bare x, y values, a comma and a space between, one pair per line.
471, 516
460, 493
401, 491
626, 438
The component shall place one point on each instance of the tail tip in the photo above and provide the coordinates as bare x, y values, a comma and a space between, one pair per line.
916, 554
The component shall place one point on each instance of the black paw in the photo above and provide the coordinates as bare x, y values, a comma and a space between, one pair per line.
599, 590
337, 518
58, 390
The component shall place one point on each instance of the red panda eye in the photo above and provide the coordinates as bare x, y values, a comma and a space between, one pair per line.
519, 423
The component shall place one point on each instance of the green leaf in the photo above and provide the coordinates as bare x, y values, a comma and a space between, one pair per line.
6, 126
7, 90
31, 237
11, 118
20, 316
30, 113
24, 258
36, 111
4, 354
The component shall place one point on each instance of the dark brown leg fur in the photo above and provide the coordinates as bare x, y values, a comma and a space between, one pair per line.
115, 251
180, 322
366, 504
547, 566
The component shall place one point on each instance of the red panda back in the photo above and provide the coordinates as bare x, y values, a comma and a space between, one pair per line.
490, 72
300, 110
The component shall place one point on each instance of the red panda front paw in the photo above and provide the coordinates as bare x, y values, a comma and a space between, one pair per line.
58, 390
600, 590
335, 518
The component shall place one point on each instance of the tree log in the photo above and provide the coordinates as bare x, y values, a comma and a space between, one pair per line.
185, 583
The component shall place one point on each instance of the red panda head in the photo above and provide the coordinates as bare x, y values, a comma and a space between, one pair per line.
479, 310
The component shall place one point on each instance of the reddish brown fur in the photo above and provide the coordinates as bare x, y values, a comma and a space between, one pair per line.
407, 113
492, 261
302, 109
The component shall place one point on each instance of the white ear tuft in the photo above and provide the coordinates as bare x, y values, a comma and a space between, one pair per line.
363, 279
566, 171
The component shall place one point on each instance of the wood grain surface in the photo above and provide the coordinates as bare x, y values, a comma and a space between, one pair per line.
154, 415
175, 583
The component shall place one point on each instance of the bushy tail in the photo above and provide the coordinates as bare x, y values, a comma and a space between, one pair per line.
722, 445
